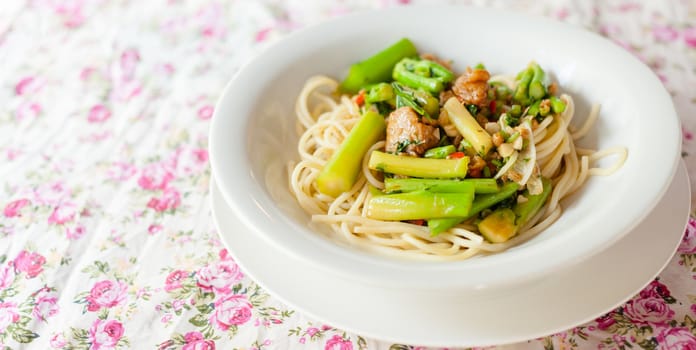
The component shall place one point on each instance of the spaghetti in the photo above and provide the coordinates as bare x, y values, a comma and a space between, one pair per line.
324, 121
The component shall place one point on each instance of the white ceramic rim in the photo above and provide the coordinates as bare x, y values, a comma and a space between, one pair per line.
247, 199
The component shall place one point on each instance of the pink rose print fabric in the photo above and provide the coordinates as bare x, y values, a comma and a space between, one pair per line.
29, 263
106, 294
230, 311
106, 234
105, 334
14, 208
9, 314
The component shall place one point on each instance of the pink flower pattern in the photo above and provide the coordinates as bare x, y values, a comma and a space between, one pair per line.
104, 207
75, 232
155, 177
9, 314
105, 335
195, 341
14, 208
690, 36
169, 200
219, 276
688, 244
98, 114
107, 294
58, 341
232, 310
30, 263
648, 310
338, 343
680, 338
46, 304
174, 280
62, 213
7, 276
27, 85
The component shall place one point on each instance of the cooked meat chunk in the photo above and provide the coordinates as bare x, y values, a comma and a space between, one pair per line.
476, 165
444, 96
472, 87
406, 134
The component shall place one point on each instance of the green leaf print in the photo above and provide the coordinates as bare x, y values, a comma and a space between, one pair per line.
237, 288
208, 331
362, 344
205, 308
199, 320
97, 269
24, 320
399, 347
79, 334
648, 344
23, 335
103, 313
179, 339
232, 331
9, 292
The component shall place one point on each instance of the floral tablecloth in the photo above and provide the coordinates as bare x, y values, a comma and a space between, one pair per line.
106, 234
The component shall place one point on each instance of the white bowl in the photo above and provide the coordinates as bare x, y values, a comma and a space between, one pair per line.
253, 137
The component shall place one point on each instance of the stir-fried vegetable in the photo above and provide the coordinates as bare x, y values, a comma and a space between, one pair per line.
440, 185
422, 74
537, 86
499, 226
379, 93
526, 209
457, 148
521, 94
504, 223
341, 171
557, 105
440, 152
480, 203
470, 129
418, 167
419, 204
377, 68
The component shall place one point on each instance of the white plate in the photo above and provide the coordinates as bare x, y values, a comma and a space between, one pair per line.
566, 299
253, 136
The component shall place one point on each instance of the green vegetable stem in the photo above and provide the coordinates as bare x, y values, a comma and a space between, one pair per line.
527, 209
468, 126
377, 68
379, 93
533, 110
440, 152
537, 86
419, 205
515, 111
502, 92
440, 185
342, 169
433, 185
499, 226
521, 93
557, 105
422, 74
504, 223
405, 98
480, 203
418, 167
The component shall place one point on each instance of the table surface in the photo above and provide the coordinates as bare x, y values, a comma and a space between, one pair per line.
106, 234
